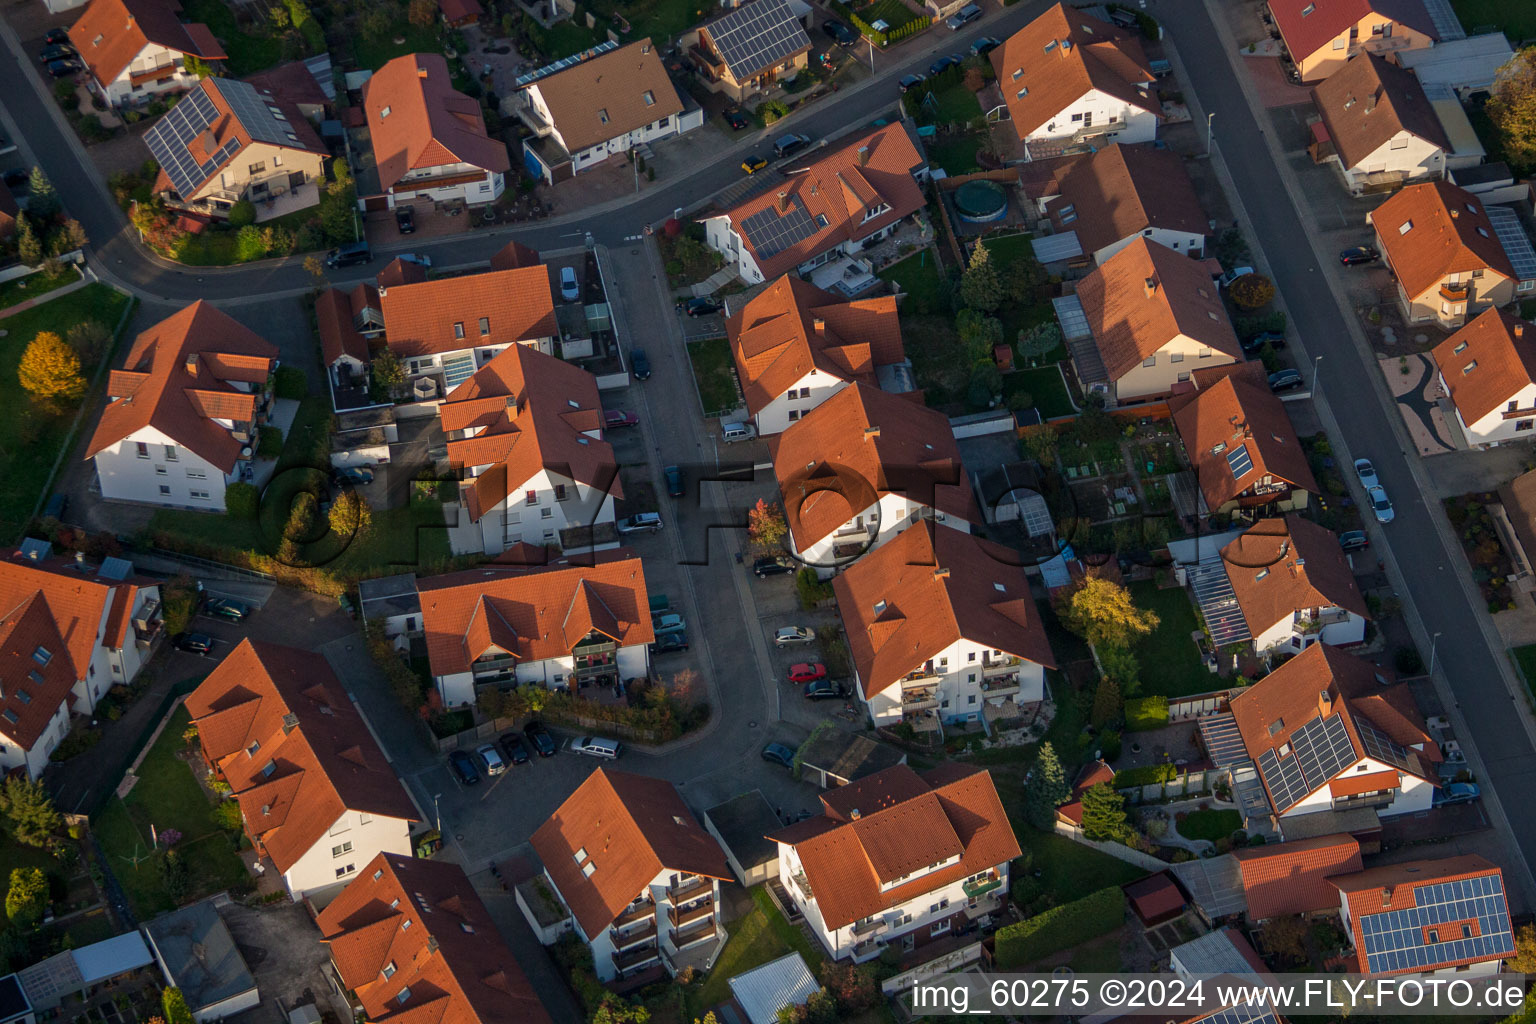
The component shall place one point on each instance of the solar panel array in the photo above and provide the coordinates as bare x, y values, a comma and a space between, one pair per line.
563, 63
1506, 225
1319, 751
1240, 461
1287, 786
1395, 940
772, 232
261, 118
168, 141
757, 35
1382, 747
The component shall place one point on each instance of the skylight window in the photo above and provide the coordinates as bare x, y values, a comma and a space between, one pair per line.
999, 588
1018, 73
42, 655
1459, 349
36, 677
1483, 232
389, 970
1469, 367
1049, 46
602, 115
1405, 227
1308, 9
384, 113
587, 869
650, 98
268, 768
24, 697
1023, 91
405, 994
880, 607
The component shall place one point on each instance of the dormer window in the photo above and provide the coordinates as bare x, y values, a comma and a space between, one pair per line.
250, 751
389, 970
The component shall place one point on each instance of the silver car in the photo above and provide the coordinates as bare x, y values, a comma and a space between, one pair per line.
1380, 503
790, 635
1367, 474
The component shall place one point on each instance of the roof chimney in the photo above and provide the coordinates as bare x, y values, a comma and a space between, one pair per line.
863, 155
192, 363
941, 573
1519, 330
421, 72
782, 203
870, 433
819, 324
1455, 212
1150, 285
1324, 703
854, 814
1386, 896
209, 142
1066, 46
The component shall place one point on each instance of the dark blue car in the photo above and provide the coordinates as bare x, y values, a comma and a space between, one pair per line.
639, 363
464, 767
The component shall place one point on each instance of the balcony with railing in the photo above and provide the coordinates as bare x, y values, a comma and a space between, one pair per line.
684, 918
804, 885
630, 959
919, 676
919, 699
636, 911
1314, 624
865, 930
1000, 684
867, 950
624, 940
688, 888
985, 884
1004, 663
1455, 292
687, 937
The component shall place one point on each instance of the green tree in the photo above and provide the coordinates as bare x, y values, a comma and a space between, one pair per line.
50, 369
1107, 704
986, 383
387, 376
1524, 960
1041, 445
315, 267
1120, 665
617, 1011
350, 515
243, 213
979, 334
27, 899
1512, 107
29, 247
980, 287
301, 517
241, 501
1251, 291
1101, 611
1047, 788
42, 200
1024, 277
71, 236
1104, 817
175, 1007
1039, 341
28, 811
249, 244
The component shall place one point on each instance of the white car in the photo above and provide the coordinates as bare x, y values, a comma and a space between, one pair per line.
1367, 474
568, 288
790, 635
641, 522
1380, 503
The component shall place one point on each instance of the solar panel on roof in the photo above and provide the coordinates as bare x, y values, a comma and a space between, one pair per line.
1282, 776
1381, 746
772, 232
1506, 225
1397, 940
757, 35
1323, 749
1240, 461
255, 112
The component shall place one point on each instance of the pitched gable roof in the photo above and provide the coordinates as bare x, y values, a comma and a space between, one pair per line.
535, 611
631, 829
1281, 566
792, 327
449, 960
755, 36
1433, 230
1292, 878
80, 603
179, 377
1064, 53
1368, 102
827, 201
860, 445
1487, 363
1239, 414
929, 586
111, 33
1120, 191
336, 314
1309, 25
31, 690
419, 318
609, 95
950, 813
1145, 296
417, 120
293, 747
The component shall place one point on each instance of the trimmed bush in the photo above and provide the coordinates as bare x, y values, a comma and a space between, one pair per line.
1059, 928
1143, 713
1145, 775
291, 383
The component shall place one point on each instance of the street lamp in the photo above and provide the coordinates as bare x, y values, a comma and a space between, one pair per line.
1316, 365
437, 814
1210, 139
1432, 641
871, 41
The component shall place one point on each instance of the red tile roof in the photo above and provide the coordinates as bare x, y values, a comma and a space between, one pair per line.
609, 95
32, 692
426, 921
1120, 191
1487, 363
631, 829
537, 612
513, 255
1281, 566
792, 328
1053, 61
1430, 231
1155, 898
111, 33
956, 814
458, 12
419, 318
1239, 411
79, 601
335, 311
417, 120
905, 602
323, 759
1368, 102
1090, 775
179, 375
400, 271
837, 190
292, 83
1308, 25
859, 446
229, 97
1292, 878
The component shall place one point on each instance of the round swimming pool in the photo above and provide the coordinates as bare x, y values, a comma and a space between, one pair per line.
981, 201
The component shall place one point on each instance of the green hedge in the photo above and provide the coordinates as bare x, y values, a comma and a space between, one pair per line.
1145, 775
1143, 713
1060, 928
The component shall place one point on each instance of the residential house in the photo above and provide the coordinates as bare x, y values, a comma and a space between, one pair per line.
1067, 77
514, 255
563, 625
795, 346
460, 13
1282, 879
400, 271
69, 631
1447, 915
834, 204
1156, 317
1383, 129
899, 860
135, 50
748, 49
1322, 35
1324, 733
1443, 247
1488, 368
1244, 449
446, 329
183, 413
197, 953
226, 142
347, 320
863, 466
1294, 586
317, 795
413, 940
526, 433
429, 139
599, 107
639, 874
1117, 194
942, 629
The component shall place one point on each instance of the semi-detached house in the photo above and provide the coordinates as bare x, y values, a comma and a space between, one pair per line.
317, 796
1322, 35
1294, 587
749, 49
1383, 129
135, 50
1489, 370
1117, 194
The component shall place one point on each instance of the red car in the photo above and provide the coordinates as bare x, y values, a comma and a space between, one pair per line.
616, 418
807, 672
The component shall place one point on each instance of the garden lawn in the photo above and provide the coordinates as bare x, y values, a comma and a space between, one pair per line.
372, 54
1044, 385
956, 151
921, 280
1210, 825
1069, 870
30, 443
34, 285
1515, 20
563, 39
952, 104
662, 20
248, 53
712, 368
167, 795
215, 246
1170, 662
1004, 249
758, 937
894, 13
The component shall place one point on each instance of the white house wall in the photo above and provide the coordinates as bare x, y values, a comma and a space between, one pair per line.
1413, 795
126, 477
370, 835
1350, 630
515, 521
957, 679
1494, 428
121, 91
35, 759
1130, 124
1185, 242
774, 418
892, 514
458, 688
1404, 153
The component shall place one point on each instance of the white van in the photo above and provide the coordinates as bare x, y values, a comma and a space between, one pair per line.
731, 432
596, 746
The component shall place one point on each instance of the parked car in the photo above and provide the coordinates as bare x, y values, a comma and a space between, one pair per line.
464, 767
640, 363
613, 419
539, 736
226, 608
420, 259
513, 748
670, 643
57, 35
1381, 504
405, 219
570, 291
822, 689
778, 753
911, 81
943, 64
1456, 793
1285, 380
1359, 255
349, 255
736, 119
57, 51
753, 163
491, 760
807, 671
963, 17
640, 522
674, 475
702, 306
1367, 474
838, 31
1354, 540
1255, 344
790, 144
732, 431
67, 66
354, 476
670, 622
789, 635
597, 746
769, 566
193, 643
985, 45
1234, 274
